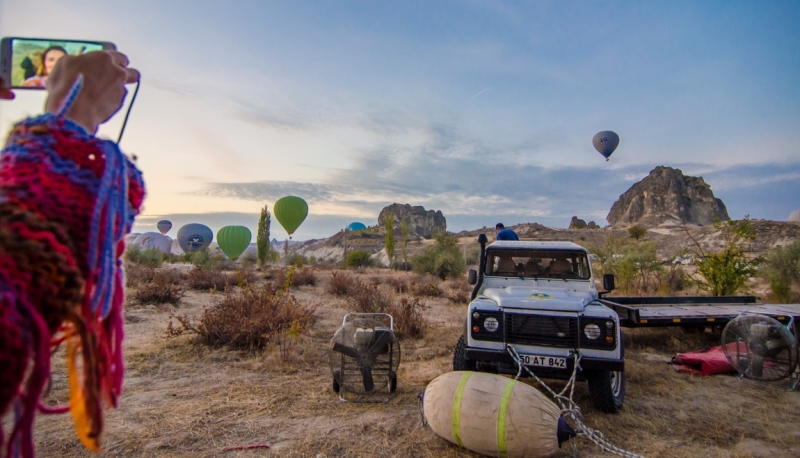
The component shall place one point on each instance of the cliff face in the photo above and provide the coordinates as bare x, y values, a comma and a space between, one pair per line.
422, 222
666, 194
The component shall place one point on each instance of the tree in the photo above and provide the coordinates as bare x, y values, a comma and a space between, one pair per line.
389, 237
443, 259
262, 237
404, 246
358, 258
725, 273
782, 270
637, 232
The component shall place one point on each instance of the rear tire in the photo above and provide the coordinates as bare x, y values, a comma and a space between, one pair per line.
607, 389
460, 361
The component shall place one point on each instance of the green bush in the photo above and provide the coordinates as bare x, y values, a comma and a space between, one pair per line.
473, 256
248, 259
637, 232
297, 260
201, 258
782, 269
150, 257
443, 258
726, 273
358, 258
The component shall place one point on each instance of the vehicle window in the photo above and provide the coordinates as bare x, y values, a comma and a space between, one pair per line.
534, 263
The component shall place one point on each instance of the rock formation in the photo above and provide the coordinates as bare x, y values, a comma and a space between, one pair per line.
422, 222
667, 195
577, 223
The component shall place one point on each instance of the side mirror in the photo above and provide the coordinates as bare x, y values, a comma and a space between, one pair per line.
472, 277
608, 282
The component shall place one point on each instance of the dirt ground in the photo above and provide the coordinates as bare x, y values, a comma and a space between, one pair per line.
185, 400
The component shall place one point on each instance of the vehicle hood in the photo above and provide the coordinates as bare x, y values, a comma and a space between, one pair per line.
539, 299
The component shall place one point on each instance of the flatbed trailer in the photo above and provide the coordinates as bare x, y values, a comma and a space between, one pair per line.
693, 311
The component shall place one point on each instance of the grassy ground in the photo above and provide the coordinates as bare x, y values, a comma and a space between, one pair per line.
185, 400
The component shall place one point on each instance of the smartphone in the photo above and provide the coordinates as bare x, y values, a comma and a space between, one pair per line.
26, 62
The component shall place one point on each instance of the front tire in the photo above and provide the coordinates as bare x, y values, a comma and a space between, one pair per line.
607, 389
460, 361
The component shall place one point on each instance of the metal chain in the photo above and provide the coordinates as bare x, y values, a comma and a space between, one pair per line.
569, 407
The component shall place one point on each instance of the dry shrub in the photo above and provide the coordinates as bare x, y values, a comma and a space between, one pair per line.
458, 291
164, 288
299, 277
407, 312
207, 279
400, 285
138, 274
248, 319
342, 284
409, 320
425, 287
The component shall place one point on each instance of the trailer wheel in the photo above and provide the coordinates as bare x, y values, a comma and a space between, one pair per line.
607, 389
460, 361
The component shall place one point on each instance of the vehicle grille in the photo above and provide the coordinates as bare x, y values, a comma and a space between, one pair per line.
541, 330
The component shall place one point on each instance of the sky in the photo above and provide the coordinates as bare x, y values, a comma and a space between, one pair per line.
483, 110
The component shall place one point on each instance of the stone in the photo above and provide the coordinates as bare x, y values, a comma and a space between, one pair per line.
422, 222
667, 195
576, 223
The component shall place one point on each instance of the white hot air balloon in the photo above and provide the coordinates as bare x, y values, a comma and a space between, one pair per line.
153, 240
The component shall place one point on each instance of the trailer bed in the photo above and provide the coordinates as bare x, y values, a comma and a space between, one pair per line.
693, 311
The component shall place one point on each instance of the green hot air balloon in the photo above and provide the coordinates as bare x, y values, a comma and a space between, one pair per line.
233, 240
290, 211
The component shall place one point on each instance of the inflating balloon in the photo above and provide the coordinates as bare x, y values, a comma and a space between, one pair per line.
153, 241
233, 240
605, 142
164, 226
290, 211
194, 236
356, 226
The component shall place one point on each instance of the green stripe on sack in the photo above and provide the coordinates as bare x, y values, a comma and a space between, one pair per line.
501, 420
457, 406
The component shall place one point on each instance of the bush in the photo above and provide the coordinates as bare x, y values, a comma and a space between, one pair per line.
164, 288
150, 257
782, 269
473, 256
422, 286
201, 258
248, 319
297, 260
358, 258
369, 299
207, 279
409, 317
726, 273
635, 266
458, 291
672, 280
342, 284
399, 285
637, 232
249, 259
300, 277
443, 258
137, 274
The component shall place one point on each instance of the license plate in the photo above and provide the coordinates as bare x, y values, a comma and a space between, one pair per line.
544, 361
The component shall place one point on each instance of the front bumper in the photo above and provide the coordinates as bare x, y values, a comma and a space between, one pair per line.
587, 364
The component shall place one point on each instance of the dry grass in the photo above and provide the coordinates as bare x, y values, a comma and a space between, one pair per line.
184, 400
158, 286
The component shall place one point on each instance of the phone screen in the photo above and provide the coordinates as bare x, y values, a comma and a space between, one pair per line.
32, 60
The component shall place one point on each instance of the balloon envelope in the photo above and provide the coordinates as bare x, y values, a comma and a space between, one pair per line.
194, 236
605, 142
164, 226
291, 211
356, 226
233, 240
153, 241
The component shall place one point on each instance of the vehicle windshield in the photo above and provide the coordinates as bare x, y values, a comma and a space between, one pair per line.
538, 263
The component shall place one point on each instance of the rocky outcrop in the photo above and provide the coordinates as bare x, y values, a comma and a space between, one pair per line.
577, 223
667, 195
422, 222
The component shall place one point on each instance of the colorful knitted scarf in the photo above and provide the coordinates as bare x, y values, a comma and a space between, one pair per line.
67, 199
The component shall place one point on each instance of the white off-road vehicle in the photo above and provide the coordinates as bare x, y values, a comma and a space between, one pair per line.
540, 298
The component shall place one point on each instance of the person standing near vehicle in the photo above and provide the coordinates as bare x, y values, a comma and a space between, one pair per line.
67, 199
504, 234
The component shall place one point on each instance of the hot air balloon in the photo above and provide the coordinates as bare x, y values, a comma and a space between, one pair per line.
164, 226
290, 211
153, 240
194, 236
356, 226
233, 240
605, 142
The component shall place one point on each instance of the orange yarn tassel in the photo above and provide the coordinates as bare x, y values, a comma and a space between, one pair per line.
77, 404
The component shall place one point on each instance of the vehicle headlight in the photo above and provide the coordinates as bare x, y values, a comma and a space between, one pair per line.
491, 324
592, 331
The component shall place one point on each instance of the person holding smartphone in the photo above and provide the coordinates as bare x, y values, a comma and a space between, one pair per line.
67, 198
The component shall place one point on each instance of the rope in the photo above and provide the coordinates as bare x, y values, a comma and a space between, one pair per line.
568, 406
